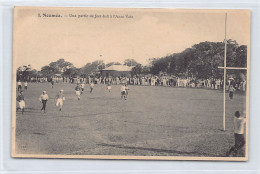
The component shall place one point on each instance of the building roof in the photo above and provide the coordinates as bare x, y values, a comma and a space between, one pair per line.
118, 68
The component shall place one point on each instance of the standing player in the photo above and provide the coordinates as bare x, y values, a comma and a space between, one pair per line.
109, 87
82, 86
231, 92
19, 84
77, 89
52, 83
25, 85
21, 102
123, 91
91, 86
43, 99
59, 99
126, 91
239, 124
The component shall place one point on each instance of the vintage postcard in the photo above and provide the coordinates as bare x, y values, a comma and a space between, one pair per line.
119, 83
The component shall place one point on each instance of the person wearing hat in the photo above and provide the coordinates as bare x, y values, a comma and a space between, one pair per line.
20, 99
59, 99
43, 99
239, 126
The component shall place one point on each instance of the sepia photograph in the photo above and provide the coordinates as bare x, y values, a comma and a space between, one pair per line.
130, 83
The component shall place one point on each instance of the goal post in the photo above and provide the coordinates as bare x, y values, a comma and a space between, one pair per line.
225, 68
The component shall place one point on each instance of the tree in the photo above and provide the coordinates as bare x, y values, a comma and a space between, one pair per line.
207, 57
130, 62
146, 70
93, 67
160, 65
239, 60
138, 69
72, 72
112, 63
201, 60
59, 67
23, 73
48, 71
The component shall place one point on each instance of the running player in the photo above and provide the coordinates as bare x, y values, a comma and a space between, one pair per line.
25, 85
126, 91
19, 84
123, 91
21, 102
91, 86
109, 87
239, 125
82, 87
43, 99
59, 99
77, 89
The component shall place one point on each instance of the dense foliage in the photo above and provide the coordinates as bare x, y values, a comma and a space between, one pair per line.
200, 61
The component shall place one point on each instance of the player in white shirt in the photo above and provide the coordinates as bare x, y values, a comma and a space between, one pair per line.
91, 87
239, 126
43, 99
77, 89
20, 99
25, 85
109, 87
59, 99
123, 91
82, 86
126, 91
19, 84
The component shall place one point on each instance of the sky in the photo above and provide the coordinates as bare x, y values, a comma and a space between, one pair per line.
147, 33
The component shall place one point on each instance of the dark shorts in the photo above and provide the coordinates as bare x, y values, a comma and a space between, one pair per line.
239, 140
231, 94
44, 101
123, 93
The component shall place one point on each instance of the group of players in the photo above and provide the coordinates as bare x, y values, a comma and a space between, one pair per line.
239, 120
60, 98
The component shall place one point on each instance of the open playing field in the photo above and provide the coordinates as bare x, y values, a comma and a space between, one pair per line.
153, 121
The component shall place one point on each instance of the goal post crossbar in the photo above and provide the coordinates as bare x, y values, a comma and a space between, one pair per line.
225, 68
237, 68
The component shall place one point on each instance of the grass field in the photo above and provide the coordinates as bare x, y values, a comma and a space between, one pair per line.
153, 121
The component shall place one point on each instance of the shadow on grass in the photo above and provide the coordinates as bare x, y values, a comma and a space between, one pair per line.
106, 113
157, 150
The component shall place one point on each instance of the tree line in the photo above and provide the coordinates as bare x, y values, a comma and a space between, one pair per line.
201, 61
67, 69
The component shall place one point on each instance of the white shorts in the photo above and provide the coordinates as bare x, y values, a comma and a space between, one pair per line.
77, 93
59, 102
21, 104
109, 87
